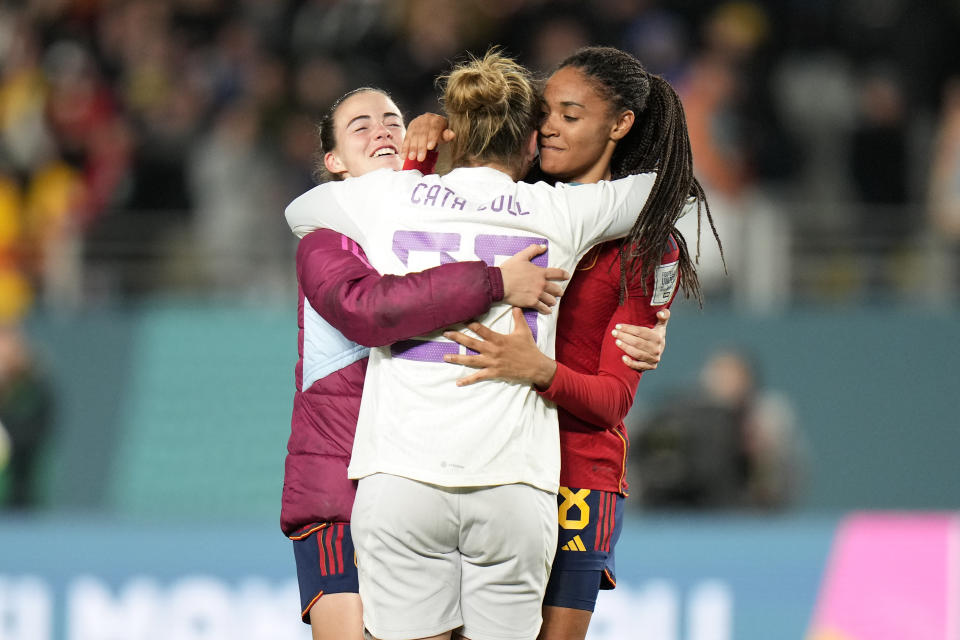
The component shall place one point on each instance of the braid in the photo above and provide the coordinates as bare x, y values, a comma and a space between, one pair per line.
657, 141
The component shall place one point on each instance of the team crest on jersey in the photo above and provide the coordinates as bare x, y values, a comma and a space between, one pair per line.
665, 280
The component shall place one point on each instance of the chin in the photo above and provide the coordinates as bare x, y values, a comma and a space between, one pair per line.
555, 169
391, 162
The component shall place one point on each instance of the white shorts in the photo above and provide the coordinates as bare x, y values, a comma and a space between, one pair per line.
432, 559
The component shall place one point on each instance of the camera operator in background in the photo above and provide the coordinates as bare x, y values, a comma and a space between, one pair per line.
26, 412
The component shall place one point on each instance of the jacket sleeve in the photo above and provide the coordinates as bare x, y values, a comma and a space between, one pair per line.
604, 399
373, 309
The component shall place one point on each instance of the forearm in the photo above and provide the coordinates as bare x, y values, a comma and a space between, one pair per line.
374, 309
602, 400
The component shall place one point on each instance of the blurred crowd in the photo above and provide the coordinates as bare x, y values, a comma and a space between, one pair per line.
150, 145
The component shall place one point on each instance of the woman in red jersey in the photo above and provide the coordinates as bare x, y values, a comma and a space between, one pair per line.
604, 117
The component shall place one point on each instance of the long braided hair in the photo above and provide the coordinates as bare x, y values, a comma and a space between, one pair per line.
657, 141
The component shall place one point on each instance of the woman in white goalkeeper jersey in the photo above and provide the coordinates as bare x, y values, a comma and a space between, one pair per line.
455, 516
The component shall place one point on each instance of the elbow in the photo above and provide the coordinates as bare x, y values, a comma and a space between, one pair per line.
391, 324
615, 410
365, 333
377, 328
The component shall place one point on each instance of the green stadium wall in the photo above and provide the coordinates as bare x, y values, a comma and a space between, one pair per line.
175, 410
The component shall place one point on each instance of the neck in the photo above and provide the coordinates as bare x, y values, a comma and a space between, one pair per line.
513, 172
510, 171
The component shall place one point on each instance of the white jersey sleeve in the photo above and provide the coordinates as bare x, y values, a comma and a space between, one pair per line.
339, 205
605, 210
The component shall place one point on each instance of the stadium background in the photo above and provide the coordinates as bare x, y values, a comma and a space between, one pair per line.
147, 149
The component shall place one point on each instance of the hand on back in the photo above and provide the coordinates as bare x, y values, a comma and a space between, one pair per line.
529, 286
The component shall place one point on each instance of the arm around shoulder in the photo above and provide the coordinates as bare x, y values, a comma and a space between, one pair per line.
608, 209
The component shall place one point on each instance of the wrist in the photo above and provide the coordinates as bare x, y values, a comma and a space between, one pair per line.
546, 370
497, 289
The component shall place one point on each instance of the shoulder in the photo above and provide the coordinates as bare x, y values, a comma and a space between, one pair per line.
672, 251
322, 239
372, 183
603, 255
556, 198
319, 244
360, 187
307, 197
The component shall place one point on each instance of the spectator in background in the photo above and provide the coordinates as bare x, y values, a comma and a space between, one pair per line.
659, 38
880, 172
41, 195
944, 190
728, 444
16, 292
945, 174
878, 154
718, 93
235, 184
26, 411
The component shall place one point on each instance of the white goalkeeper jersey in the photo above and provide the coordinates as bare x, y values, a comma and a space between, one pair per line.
414, 421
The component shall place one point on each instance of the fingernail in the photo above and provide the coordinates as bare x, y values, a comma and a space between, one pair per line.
619, 342
625, 359
446, 357
619, 326
614, 333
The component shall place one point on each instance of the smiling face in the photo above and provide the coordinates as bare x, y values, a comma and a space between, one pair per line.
579, 130
369, 130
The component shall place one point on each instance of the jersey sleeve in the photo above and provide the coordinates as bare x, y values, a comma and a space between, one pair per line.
329, 205
607, 209
426, 166
605, 399
373, 309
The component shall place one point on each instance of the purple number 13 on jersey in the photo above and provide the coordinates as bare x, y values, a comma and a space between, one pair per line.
486, 247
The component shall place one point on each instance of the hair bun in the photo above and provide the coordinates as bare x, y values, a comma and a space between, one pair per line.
483, 87
491, 106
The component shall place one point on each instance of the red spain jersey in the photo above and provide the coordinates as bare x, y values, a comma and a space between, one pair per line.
593, 388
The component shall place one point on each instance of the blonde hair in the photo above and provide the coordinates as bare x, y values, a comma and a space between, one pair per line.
493, 107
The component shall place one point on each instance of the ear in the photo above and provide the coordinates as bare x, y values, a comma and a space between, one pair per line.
531, 148
622, 126
333, 163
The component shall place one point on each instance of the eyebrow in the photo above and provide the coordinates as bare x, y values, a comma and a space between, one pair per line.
571, 103
385, 116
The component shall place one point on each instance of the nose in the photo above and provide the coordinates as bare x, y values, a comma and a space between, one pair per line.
382, 131
548, 127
